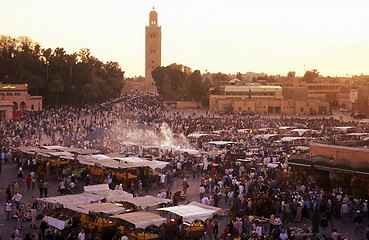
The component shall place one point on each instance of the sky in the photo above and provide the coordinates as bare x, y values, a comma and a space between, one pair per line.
229, 36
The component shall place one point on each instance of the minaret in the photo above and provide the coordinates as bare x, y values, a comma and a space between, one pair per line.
153, 50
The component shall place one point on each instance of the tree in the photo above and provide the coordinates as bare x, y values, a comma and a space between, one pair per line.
52, 73
56, 87
310, 76
239, 76
177, 82
291, 74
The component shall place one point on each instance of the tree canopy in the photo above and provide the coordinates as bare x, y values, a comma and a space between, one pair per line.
59, 77
179, 83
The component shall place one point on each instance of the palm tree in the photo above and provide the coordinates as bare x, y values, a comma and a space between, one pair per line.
56, 86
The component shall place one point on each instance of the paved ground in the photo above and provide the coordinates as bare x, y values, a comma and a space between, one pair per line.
9, 172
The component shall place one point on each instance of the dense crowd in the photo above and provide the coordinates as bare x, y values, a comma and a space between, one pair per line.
263, 197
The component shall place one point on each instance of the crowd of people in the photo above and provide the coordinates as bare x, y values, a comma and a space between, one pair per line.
263, 196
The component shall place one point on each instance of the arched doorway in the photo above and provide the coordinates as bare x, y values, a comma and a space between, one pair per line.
15, 106
22, 106
32, 107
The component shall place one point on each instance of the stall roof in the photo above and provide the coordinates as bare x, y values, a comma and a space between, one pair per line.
192, 212
114, 195
141, 162
55, 147
76, 199
188, 150
198, 135
147, 201
142, 219
221, 142
96, 187
108, 208
289, 139
302, 131
266, 136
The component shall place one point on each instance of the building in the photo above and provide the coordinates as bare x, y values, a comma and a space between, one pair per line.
152, 50
15, 97
263, 100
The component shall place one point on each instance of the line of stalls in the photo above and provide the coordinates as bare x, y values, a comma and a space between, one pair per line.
122, 168
104, 213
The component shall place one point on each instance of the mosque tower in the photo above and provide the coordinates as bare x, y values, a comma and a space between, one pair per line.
152, 50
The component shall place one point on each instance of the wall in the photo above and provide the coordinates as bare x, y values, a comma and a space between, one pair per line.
182, 104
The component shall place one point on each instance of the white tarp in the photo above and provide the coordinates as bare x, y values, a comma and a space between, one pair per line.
198, 135
59, 224
265, 136
76, 199
97, 187
113, 195
290, 139
142, 219
147, 201
219, 143
141, 162
108, 208
192, 212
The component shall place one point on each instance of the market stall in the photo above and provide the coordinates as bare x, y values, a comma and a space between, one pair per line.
192, 211
136, 225
148, 201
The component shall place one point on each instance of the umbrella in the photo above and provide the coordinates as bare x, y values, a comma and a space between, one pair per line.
98, 133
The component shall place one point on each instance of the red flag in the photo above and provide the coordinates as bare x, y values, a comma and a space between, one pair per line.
6, 76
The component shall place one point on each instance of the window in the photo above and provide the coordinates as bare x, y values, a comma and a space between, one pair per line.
301, 109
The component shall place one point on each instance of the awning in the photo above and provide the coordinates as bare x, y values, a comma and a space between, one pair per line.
76, 199
192, 212
141, 219
147, 201
114, 195
108, 208
97, 187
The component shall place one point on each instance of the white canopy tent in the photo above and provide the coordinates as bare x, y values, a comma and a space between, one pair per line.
220, 143
96, 187
193, 211
147, 201
108, 208
114, 195
141, 219
76, 199
290, 139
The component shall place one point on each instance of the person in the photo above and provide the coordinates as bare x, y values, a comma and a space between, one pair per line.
87, 180
41, 188
358, 220
17, 199
124, 237
33, 216
8, 193
215, 230
185, 185
209, 229
8, 208
46, 188
202, 192
59, 236
28, 182
283, 235
19, 218
81, 235
61, 187
139, 186
15, 233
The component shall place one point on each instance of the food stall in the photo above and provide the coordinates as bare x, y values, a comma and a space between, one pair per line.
148, 201
136, 224
95, 219
192, 214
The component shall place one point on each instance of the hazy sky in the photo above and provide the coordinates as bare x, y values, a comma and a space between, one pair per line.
271, 36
